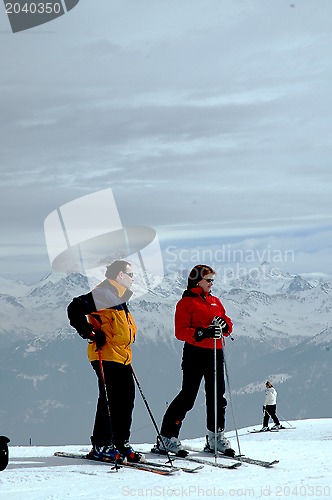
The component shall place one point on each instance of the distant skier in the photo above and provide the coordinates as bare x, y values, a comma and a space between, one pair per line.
269, 408
3, 452
199, 319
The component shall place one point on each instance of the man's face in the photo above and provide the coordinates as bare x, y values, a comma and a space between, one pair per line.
126, 278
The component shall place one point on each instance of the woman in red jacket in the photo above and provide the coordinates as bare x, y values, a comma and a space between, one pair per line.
199, 318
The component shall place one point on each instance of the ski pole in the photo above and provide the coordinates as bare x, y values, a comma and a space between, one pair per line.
230, 397
284, 420
150, 413
102, 373
215, 398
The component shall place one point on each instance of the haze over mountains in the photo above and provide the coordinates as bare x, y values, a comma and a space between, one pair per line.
281, 332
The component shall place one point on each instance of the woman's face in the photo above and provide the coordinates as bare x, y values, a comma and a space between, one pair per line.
206, 283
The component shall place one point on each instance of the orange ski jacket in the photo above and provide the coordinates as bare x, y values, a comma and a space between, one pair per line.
105, 308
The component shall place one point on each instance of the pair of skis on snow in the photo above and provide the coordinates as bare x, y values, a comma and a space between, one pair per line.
155, 467
168, 469
239, 459
256, 431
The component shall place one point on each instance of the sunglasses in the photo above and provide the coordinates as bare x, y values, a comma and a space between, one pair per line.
208, 280
131, 275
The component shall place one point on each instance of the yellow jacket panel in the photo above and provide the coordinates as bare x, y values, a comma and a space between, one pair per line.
105, 308
120, 330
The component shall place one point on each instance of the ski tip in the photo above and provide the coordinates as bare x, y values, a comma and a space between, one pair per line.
191, 470
269, 465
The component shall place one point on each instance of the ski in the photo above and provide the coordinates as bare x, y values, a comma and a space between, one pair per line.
255, 461
198, 460
259, 431
204, 461
145, 466
255, 431
176, 467
156, 469
248, 460
242, 458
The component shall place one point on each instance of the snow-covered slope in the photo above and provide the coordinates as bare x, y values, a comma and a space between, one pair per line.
304, 471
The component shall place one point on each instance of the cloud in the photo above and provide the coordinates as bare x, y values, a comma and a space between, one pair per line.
202, 118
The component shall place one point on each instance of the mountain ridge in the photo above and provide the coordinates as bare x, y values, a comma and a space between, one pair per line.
280, 332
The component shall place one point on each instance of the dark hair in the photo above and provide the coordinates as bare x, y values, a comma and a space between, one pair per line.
197, 274
115, 268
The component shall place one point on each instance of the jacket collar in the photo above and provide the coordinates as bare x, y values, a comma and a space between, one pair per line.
194, 292
121, 291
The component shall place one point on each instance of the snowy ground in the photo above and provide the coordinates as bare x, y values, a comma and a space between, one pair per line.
304, 471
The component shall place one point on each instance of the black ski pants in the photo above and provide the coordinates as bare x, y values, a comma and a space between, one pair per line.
270, 411
197, 363
120, 388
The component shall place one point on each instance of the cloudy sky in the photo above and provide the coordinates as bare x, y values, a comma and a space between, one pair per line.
209, 119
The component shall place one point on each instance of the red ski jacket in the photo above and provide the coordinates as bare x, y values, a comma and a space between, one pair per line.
197, 309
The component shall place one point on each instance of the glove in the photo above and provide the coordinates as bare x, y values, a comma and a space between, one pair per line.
264, 408
218, 320
212, 332
99, 337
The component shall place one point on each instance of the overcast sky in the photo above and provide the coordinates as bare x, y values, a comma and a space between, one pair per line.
209, 119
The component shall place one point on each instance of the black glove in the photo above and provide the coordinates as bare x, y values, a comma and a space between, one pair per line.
99, 337
218, 320
212, 332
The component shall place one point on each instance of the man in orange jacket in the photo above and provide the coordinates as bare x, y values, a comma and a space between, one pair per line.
102, 316
200, 318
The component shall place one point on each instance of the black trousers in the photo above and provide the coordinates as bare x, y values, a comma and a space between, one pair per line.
270, 411
197, 363
121, 395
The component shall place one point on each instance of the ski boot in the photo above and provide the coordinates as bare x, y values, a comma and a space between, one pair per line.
169, 445
131, 455
105, 454
223, 444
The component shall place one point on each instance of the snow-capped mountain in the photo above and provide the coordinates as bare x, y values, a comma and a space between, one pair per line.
281, 332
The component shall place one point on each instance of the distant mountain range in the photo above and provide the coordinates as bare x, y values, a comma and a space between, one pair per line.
281, 331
